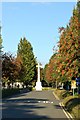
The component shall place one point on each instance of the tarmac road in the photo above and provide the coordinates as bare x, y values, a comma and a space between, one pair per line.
35, 104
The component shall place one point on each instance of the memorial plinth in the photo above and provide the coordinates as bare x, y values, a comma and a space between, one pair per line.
38, 86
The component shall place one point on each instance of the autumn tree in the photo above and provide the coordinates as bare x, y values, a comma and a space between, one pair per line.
66, 62
69, 47
49, 75
28, 70
11, 67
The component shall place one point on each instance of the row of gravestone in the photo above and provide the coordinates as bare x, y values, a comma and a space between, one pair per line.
14, 85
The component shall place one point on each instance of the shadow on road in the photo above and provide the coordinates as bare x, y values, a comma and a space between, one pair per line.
22, 108
33, 106
57, 106
20, 93
43, 118
24, 100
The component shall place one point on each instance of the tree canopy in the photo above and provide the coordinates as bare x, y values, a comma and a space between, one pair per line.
66, 63
11, 67
25, 51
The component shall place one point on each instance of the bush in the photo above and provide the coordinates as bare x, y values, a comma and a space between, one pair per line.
71, 103
59, 93
30, 88
66, 94
76, 111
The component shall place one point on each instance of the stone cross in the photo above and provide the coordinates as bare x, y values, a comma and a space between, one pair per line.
39, 66
38, 83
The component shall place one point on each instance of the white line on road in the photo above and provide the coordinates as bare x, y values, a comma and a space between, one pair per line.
47, 101
55, 96
43, 101
51, 102
15, 101
68, 115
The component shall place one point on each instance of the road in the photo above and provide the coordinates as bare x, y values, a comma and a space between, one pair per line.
35, 105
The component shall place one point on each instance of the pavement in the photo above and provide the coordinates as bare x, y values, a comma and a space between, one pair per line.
41, 105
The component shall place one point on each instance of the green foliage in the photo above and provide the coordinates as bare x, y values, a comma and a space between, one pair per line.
28, 69
41, 74
44, 71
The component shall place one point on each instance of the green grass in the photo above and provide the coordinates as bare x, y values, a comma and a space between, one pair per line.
47, 88
76, 111
60, 93
44, 88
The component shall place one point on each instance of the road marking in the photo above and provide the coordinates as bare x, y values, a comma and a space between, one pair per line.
56, 96
47, 101
43, 101
27, 101
51, 102
68, 115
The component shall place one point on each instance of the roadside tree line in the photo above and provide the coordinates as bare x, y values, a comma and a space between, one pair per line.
65, 63
21, 67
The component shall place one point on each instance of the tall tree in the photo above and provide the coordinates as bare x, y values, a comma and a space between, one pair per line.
48, 70
66, 62
45, 72
28, 71
69, 46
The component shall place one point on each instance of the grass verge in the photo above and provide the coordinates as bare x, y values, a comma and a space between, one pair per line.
71, 103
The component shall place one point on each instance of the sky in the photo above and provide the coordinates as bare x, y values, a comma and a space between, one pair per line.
38, 22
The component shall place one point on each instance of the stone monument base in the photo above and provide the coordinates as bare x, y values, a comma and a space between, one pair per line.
38, 86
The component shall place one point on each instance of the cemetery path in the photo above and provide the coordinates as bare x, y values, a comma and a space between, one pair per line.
36, 105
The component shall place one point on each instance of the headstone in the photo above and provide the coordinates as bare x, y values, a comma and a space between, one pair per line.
38, 83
